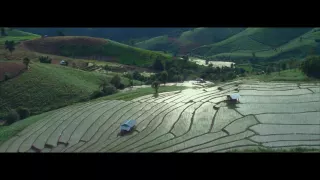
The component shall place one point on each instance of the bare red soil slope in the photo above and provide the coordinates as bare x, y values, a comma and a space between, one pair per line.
51, 45
12, 68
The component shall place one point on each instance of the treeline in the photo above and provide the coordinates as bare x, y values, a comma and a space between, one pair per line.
282, 65
311, 66
107, 87
183, 70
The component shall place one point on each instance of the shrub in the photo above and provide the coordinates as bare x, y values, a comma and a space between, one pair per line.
116, 81
107, 68
6, 76
96, 94
177, 78
110, 89
121, 86
136, 75
127, 75
231, 75
148, 82
44, 59
12, 117
23, 112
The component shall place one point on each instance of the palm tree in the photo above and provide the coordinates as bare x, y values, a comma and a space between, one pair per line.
26, 61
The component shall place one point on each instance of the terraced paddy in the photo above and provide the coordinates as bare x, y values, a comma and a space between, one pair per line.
270, 115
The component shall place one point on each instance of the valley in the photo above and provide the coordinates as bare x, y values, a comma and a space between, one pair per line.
70, 90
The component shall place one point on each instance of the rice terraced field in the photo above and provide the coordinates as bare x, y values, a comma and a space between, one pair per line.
270, 115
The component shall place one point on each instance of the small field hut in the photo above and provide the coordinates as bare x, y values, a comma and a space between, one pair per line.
234, 97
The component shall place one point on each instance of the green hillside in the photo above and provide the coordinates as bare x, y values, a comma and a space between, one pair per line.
17, 36
196, 37
46, 86
266, 43
157, 43
94, 48
117, 34
208, 35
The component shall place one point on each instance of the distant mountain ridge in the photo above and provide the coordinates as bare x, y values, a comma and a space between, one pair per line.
212, 43
116, 34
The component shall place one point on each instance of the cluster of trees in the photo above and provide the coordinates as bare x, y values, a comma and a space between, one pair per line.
108, 87
277, 67
15, 115
182, 70
45, 59
311, 66
221, 73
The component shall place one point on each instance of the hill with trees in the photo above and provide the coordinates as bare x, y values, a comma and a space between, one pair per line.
81, 47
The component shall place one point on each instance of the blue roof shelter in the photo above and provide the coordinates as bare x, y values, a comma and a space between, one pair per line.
234, 97
128, 125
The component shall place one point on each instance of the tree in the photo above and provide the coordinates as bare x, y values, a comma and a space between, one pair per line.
136, 75
218, 70
176, 78
103, 84
116, 80
185, 58
279, 68
12, 117
3, 32
253, 55
96, 94
23, 112
164, 77
26, 62
60, 33
155, 85
283, 66
10, 46
310, 66
109, 89
131, 42
157, 65
6, 76
44, 59
130, 77
269, 70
